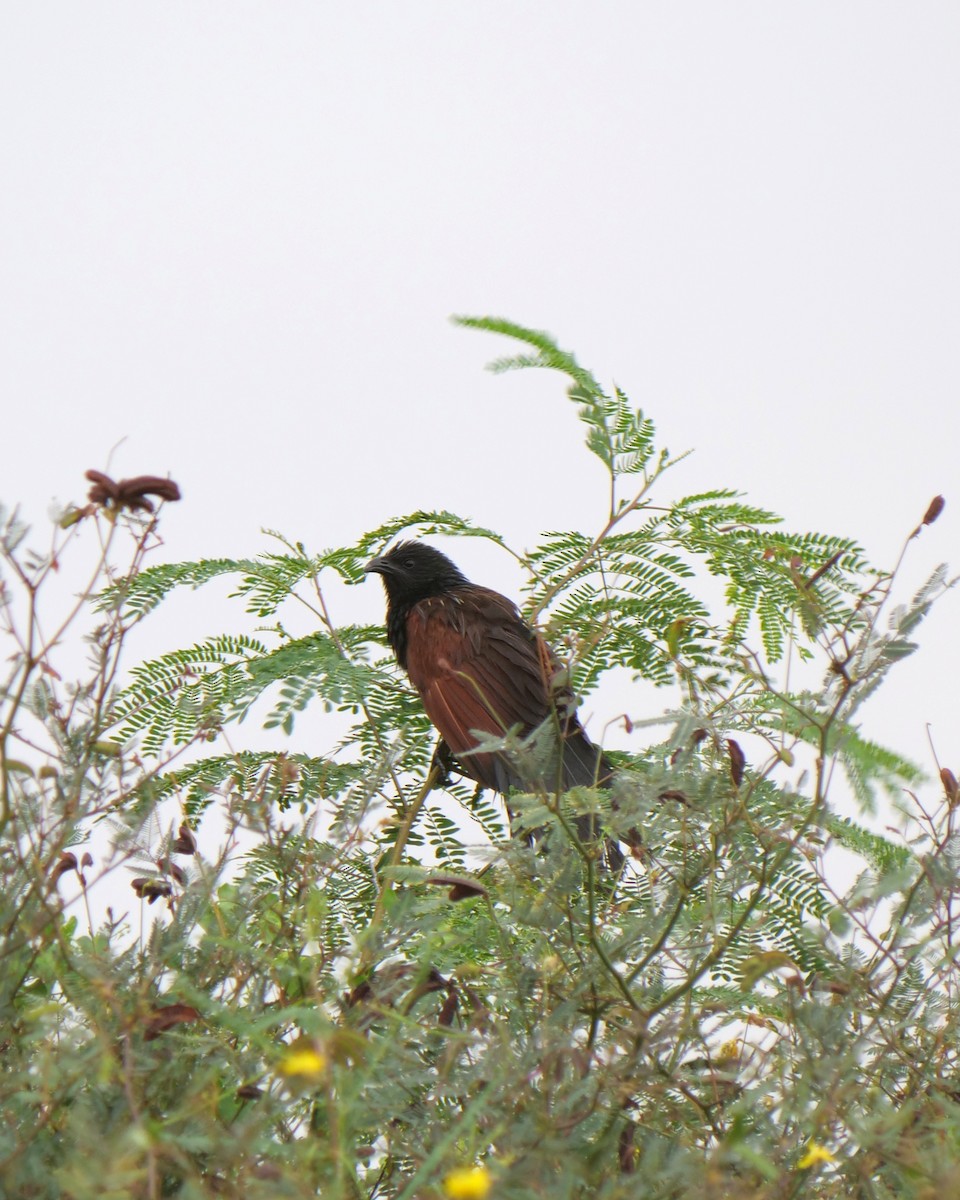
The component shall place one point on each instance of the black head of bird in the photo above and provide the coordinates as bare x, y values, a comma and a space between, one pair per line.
413, 571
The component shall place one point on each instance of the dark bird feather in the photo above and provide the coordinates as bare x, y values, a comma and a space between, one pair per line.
479, 668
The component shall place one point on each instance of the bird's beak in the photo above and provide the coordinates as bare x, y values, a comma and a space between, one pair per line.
376, 566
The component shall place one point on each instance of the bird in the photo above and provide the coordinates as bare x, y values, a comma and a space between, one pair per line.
479, 668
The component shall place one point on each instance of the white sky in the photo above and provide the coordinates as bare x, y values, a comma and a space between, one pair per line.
232, 233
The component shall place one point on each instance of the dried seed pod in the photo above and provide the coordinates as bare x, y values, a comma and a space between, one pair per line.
461, 886
949, 781
737, 762
362, 992
935, 508
68, 862
185, 842
166, 1017
627, 1155
151, 889
169, 867
130, 493
449, 1008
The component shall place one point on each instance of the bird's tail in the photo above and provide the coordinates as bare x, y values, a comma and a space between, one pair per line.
556, 768
584, 764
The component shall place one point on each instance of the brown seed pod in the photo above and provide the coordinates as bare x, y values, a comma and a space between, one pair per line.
169, 867
934, 509
461, 886
68, 862
151, 889
185, 842
627, 1156
166, 1017
449, 1008
130, 493
737, 762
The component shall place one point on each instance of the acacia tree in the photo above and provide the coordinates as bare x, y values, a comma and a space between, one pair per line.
391, 995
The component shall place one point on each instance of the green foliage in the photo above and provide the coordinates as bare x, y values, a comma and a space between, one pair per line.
343, 976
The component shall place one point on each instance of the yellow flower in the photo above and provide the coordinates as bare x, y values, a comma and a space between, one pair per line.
815, 1153
467, 1183
729, 1050
302, 1062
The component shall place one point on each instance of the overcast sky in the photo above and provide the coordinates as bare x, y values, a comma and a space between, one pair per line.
232, 234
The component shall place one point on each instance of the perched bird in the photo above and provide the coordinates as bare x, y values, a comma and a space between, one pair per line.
479, 667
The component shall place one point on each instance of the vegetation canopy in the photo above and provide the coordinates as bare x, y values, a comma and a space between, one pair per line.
388, 993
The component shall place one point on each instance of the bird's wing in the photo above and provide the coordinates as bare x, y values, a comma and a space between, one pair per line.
478, 666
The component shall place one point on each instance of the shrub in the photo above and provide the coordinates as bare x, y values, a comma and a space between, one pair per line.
387, 995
